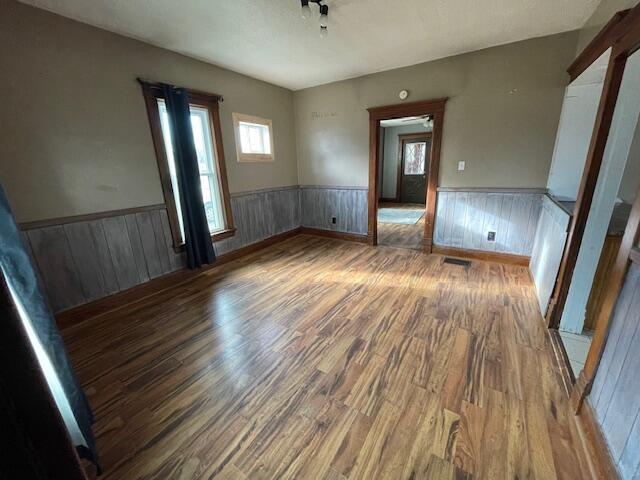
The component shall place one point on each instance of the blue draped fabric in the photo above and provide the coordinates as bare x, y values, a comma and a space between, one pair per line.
196, 229
21, 276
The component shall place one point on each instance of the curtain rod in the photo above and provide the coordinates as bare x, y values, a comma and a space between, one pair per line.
160, 85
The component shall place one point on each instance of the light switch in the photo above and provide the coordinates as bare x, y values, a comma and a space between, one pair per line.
461, 166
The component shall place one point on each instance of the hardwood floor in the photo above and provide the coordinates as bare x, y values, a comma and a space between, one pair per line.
324, 359
398, 235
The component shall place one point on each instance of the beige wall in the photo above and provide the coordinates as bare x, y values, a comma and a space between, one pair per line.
74, 136
501, 117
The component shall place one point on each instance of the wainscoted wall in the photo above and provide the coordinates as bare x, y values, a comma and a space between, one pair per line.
81, 261
465, 216
347, 204
548, 246
261, 214
615, 395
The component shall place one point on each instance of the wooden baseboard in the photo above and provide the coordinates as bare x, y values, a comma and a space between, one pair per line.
599, 449
596, 446
562, 360
482, 255
75, 315
104, 305
254, 247
351, 237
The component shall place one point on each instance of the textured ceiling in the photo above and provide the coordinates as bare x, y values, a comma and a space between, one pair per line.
268, 39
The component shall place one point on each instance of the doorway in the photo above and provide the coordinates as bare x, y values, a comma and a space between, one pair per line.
589, 281
405, 145
615, 189
404, 158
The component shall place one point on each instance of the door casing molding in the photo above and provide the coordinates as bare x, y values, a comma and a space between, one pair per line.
622, 35
433, 107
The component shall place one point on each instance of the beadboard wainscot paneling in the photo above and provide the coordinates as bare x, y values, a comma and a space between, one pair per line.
261, 214
615, 396
80, 260
347, 204
548, 247
465, 216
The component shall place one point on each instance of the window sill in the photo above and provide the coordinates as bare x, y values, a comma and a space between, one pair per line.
255, 157
222, 234
215, 237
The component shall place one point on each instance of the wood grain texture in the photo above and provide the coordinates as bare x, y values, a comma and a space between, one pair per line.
261, 214
157, 285
598, 442
463, 220
84, 261
615, 395
598, 45
601, 279
50, 222
350, 237
548, 247
317, 358
348, 206
399, 235
57, 266
483, 255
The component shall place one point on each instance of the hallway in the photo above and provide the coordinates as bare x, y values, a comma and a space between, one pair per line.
396, 230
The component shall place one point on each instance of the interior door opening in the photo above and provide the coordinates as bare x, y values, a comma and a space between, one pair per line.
615, 191
403, 173
404, 160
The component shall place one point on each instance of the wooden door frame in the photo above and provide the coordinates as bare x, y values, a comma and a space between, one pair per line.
622, 35
433, 107
414, 137
627, 253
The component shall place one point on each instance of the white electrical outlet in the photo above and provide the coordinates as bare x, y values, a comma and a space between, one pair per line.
461, 166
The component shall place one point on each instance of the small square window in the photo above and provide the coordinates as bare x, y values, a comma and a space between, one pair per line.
254, 138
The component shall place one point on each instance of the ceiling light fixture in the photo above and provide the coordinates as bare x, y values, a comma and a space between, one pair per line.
324, 14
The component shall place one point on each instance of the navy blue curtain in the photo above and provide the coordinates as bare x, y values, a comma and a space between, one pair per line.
37, 318
196, 229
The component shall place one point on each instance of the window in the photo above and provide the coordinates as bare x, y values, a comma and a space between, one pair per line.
414, 158
207, 139
254, 138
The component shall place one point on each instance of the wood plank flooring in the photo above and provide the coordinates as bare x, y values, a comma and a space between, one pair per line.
323, 359
398, 235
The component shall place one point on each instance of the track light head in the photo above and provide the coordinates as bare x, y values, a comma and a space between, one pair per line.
324, 16
306, 9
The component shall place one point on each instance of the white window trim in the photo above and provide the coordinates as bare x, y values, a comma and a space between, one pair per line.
252, 157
